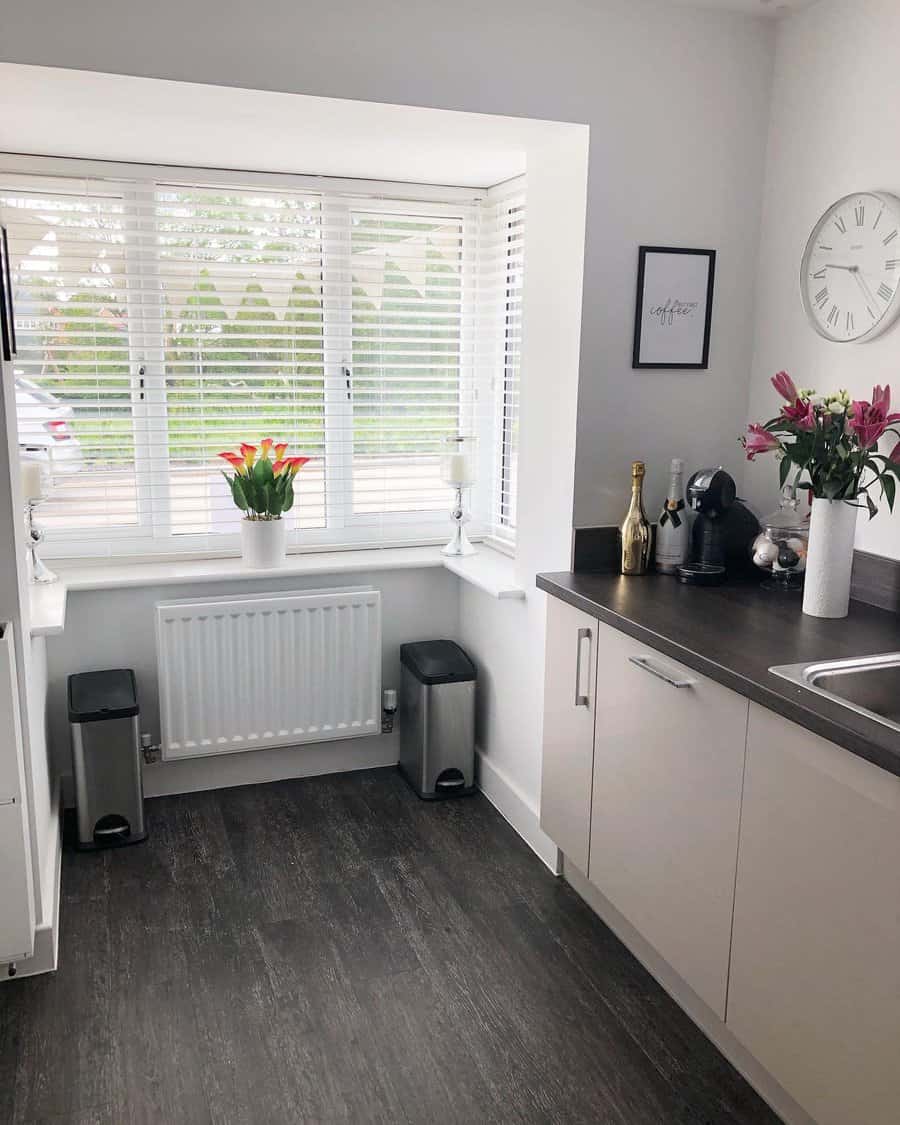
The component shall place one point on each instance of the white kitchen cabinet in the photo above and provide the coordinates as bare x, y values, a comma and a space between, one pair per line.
668, 768
815, 972
569, 696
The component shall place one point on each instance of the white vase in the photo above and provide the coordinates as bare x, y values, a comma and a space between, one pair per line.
262, 543
826, 588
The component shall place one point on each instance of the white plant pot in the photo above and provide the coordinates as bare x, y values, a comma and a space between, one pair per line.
262, 543
826, 588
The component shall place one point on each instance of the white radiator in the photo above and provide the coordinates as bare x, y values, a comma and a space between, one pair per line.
251, 671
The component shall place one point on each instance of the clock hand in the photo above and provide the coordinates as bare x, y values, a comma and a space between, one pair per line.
866, 291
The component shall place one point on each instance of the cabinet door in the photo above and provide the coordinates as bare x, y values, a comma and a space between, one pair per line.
815, 971
569, 683
668, 768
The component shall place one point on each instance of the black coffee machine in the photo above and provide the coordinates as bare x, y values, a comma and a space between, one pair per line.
722, 533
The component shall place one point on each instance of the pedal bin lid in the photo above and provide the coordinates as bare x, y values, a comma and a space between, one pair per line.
95, 696
437, 662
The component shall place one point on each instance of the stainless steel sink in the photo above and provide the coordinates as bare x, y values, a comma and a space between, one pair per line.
868, 685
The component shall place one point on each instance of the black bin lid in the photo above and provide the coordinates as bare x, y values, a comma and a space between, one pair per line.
437, 662
95, 696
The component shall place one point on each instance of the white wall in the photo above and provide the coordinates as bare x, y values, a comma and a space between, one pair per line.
677, 102
835, 108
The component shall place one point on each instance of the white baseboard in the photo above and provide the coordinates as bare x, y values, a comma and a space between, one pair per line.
517, 809
684, 996
253, 767
44, 959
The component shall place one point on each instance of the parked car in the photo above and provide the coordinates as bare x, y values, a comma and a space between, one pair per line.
45, 428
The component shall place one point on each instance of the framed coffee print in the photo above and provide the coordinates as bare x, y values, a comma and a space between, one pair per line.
674, 308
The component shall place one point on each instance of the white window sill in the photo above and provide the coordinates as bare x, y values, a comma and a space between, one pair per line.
488, 570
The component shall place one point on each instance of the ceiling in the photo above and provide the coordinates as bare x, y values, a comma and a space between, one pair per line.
768, 8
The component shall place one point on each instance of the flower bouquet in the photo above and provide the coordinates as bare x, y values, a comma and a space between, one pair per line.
263, 489
832, 441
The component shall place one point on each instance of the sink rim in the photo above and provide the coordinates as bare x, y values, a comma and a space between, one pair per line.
804, 675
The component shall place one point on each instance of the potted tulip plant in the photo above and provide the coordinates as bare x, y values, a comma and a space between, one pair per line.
263, 489
833, 443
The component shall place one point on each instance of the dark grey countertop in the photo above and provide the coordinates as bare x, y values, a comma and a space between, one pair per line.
735, 633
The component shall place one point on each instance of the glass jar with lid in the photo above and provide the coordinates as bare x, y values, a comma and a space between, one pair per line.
780, 548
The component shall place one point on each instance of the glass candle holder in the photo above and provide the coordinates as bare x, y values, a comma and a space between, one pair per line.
458, 470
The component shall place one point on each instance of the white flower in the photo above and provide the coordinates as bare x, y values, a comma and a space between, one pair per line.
817, 400
836, 406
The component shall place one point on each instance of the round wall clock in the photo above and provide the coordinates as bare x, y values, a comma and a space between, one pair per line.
850, 274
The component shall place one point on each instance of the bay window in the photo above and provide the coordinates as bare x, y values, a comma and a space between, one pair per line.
161, 321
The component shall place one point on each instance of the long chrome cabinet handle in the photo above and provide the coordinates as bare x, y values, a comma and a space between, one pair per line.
660, 673
581, 700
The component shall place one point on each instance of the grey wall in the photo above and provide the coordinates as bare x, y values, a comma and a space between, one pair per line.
845, 50
116, 629
677, 102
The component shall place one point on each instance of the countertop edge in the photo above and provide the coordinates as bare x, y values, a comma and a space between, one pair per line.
751, 689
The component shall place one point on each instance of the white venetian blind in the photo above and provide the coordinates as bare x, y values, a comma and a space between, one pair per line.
161, 323
502, 279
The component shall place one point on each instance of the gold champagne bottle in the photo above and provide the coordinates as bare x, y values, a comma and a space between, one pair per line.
635, 530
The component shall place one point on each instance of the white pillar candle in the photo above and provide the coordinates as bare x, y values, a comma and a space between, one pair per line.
34, 481
458, 469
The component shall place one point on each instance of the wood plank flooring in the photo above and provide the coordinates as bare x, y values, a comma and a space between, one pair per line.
335, 950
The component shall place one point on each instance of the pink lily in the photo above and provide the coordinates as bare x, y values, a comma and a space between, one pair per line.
784, 384
759, 440
801, 414
869, 420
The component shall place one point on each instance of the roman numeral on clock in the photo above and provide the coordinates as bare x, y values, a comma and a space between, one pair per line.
821, 297
834, 315
819, 275
889, 238
885, 292
860, 212
850, 324
841, 225
892, 264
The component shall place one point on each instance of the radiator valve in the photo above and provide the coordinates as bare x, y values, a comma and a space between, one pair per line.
151, 750
389, 705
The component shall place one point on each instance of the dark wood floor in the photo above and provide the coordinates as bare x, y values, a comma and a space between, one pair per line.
334, 950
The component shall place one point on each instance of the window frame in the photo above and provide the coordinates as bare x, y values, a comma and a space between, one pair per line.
137, 185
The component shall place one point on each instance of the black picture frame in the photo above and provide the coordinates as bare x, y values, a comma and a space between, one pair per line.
638, 362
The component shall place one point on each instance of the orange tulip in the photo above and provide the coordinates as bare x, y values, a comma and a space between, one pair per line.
278, 466
297, 463
248, 452
280, 447
266, 445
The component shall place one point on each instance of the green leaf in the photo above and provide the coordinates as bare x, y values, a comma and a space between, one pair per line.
889, 488
784, 470
288, 502
251, 493
873, 511
262, 472
237, 492
273, 501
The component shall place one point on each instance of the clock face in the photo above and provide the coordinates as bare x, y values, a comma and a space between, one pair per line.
850, 276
